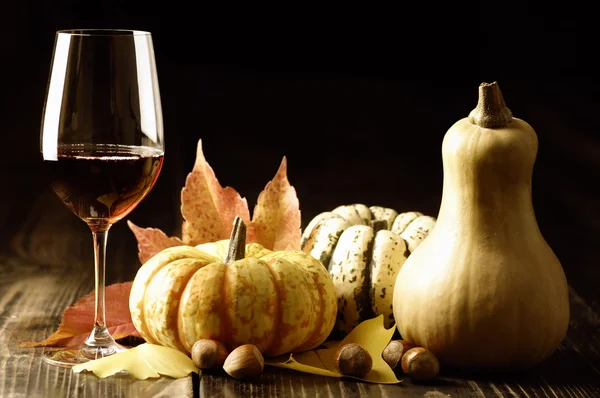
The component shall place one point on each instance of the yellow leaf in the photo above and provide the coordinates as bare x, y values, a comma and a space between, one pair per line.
142, 362
371, 334
167, 361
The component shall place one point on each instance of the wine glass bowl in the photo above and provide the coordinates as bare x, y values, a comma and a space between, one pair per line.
102, 144
101, 184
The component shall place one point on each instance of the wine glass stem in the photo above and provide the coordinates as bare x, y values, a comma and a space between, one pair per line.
100, 239
100, 338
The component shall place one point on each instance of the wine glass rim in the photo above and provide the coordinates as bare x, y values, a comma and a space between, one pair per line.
103, 32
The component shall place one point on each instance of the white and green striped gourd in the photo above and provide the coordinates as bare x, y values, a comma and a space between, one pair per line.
364, 248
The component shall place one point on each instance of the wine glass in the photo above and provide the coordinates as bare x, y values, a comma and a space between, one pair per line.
102, 144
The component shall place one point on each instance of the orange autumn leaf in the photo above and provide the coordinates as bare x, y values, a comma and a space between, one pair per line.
78, 320
207, 208
276, 217
208, 211
151, 241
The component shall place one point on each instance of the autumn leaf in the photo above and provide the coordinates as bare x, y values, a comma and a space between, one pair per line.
151, 241
78, 320
208, 211
371, 334
276, 217
207, 208
142, 362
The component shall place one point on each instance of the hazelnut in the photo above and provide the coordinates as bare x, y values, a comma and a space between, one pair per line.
353, 360
420, 364
208, 354
392, 354
244, 361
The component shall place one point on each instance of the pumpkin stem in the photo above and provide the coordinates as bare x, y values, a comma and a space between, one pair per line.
378, 225
237, 241
491, 111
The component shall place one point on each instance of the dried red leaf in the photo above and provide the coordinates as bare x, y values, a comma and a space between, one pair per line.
276, 216
78, 320
151, 241
207, 208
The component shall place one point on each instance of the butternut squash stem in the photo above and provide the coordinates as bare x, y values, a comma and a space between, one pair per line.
237, 241
491, 111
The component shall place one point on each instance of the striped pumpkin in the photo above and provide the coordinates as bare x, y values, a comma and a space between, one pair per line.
235, 293
363, 249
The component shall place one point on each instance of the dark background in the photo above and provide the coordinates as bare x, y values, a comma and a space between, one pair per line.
357, 98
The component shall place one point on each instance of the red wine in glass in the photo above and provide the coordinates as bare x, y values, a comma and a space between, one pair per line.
103, 183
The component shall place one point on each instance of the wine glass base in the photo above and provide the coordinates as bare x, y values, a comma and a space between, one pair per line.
69, 357
65, 358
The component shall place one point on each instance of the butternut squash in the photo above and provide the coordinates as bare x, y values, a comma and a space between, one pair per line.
485, 290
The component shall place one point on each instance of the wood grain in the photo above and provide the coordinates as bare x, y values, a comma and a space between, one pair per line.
31, 304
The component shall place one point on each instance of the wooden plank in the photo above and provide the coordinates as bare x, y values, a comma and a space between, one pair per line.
31, 303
